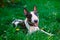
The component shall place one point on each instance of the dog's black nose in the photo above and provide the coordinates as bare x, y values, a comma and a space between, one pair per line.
35, 21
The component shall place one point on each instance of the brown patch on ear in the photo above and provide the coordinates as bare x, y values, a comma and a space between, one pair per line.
25, 11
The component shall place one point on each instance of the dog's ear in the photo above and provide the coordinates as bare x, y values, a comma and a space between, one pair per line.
25, 11
35, 8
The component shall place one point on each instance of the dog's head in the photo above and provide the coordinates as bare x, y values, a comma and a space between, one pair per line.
32, 16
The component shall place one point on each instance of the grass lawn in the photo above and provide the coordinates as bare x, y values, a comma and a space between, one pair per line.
49, 20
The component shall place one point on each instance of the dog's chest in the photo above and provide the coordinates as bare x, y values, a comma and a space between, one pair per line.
31, 29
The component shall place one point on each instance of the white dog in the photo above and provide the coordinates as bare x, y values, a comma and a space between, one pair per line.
31, 21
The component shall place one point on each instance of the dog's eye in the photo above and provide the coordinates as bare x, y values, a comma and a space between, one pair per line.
29, 17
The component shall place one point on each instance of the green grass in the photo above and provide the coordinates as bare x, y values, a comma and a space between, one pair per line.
49, 20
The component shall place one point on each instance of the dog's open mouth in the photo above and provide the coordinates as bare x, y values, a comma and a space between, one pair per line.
35, 24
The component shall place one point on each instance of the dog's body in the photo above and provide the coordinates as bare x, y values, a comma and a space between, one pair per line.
25, 23
31, 21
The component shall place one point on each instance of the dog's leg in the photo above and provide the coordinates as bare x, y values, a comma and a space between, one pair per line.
29, 33
46, 32
16, 22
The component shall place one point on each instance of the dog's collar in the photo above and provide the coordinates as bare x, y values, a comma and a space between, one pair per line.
30, 23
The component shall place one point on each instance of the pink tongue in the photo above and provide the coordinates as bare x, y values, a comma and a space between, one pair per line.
35, 24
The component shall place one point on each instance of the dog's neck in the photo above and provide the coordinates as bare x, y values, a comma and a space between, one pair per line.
26, 24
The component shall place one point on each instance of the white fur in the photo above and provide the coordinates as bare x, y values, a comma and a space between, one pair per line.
34, 17
16, 22
31, 29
